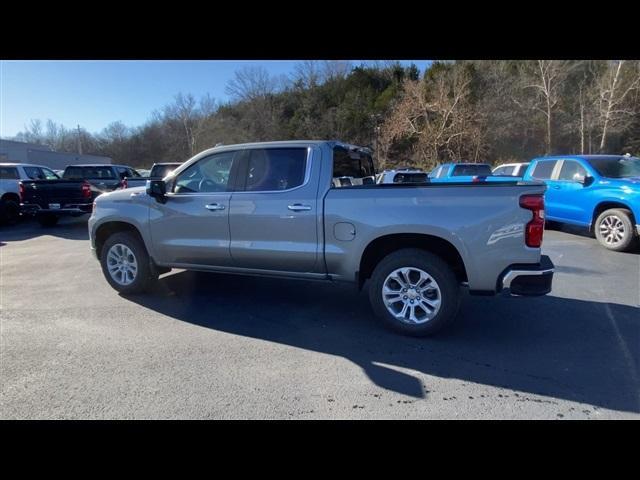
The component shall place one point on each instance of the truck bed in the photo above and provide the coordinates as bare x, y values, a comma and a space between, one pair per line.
482, 220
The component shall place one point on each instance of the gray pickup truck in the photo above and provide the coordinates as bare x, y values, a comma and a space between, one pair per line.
275, 209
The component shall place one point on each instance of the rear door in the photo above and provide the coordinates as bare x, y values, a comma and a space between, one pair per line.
544, 170
274, 211
192, 227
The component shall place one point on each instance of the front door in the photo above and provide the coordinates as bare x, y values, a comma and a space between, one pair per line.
274, 210
569, 192
192, 227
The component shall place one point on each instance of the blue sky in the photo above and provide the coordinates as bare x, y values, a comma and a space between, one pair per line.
96, 93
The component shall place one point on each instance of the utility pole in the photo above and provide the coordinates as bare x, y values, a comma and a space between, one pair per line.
79, 142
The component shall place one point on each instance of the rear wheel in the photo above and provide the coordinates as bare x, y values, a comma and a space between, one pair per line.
614, 229
126, 264
414, 292
47, 220
9, 211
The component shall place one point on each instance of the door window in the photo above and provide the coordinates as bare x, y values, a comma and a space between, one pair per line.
34, 173
49, 174
572, 171
210, 174
8, 173
543, 170
275, 169
505, 171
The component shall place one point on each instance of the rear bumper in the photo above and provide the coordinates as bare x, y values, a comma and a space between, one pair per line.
68, 209
528, 280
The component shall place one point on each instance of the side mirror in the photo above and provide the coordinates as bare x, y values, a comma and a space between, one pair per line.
157, 189
587, 180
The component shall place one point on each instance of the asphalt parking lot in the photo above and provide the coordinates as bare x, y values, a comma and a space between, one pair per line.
219, 347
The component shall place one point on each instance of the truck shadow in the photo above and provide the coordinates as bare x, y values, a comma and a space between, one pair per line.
68, 227
555, 347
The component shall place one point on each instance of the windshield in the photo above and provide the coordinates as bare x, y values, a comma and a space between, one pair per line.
622, 167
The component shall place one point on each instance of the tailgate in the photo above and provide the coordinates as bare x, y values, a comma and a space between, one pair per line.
47, 192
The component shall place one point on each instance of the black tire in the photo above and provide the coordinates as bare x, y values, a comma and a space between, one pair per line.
47, 220
629, 237
9, 211
145, 275
430, 264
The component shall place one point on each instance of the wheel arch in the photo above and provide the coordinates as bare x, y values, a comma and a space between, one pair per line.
107, 229
382, 246
10, 196
606, 205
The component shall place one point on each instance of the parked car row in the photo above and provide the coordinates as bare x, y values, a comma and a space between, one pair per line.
47, 195
598, 192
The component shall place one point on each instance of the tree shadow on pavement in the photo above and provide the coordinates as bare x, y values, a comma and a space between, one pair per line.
561, 348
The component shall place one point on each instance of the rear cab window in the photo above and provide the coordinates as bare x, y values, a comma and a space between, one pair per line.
80, 173
471, 170
411, 177
352, 167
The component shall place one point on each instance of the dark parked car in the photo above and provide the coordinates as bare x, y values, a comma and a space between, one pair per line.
74, 194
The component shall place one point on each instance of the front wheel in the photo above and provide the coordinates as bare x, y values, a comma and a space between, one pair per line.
126, 264
615, 230
414, 292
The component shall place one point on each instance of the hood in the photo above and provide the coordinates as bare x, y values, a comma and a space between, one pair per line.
122, 194
632, 182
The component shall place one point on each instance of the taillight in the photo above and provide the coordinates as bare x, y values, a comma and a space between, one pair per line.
21, 191
86, 190
534, 230
124, 183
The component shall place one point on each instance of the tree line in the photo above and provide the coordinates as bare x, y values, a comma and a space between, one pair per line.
490, 111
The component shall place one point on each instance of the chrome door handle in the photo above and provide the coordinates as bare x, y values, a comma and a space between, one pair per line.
296, 207
557, 187
214, 206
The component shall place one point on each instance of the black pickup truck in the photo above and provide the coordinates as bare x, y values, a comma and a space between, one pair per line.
72, 195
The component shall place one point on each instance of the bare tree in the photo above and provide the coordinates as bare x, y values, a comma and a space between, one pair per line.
191, 115
616, 86
333, 69
546, 79
307, 74
250, 83
437, 116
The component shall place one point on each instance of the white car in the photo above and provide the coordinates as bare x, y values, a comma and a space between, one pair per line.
511, 169
403, 175
10, 176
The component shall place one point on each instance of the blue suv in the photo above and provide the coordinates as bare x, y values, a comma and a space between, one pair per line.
600, 192
465, 172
